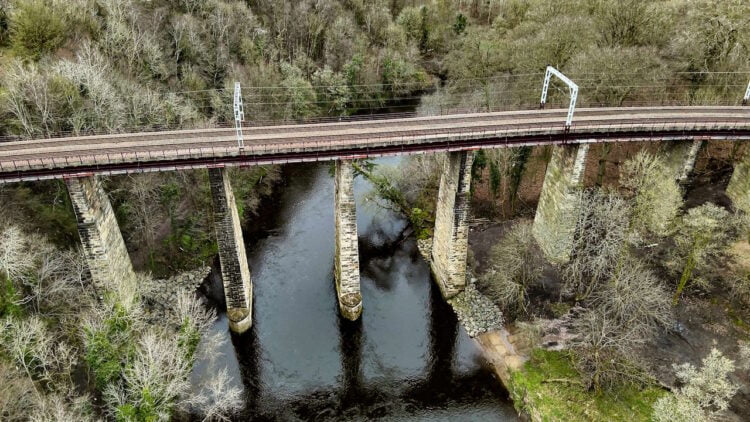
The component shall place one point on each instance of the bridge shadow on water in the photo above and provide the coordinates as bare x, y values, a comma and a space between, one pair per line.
407, 358
442, 385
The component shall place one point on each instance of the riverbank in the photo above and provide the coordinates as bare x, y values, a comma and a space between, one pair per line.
539, 373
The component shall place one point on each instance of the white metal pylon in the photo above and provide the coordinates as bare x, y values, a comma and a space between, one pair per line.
239, 114
747, 95
573, 92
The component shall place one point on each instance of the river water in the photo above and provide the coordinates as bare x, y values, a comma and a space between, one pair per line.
407, 359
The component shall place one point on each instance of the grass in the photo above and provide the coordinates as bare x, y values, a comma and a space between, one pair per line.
549, 389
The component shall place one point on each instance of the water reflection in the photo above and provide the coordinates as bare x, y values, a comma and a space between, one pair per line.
406, 359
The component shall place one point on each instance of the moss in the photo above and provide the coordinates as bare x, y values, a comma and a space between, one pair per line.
9, 299
559, 309
549, 389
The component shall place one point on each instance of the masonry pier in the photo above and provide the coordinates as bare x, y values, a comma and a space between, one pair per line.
560, 201
738, 189
103, 246
347, 249
680, 157
451, 237
235, 272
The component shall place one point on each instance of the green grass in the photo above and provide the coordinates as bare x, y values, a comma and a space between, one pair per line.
549, 389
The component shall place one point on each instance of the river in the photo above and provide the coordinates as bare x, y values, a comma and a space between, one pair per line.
407, 359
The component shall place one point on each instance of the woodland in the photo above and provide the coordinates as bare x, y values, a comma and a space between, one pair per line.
69, 352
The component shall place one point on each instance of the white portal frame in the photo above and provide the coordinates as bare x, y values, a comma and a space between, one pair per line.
747, 95
572, 86
239, 114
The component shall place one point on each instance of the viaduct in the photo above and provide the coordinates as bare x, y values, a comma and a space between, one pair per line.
80, 161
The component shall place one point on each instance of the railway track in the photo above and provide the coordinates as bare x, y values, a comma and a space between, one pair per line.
57, 157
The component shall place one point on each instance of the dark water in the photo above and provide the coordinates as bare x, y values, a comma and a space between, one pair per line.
406, 359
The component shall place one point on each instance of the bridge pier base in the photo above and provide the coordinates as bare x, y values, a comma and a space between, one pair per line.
450, 241
103, 246
680, 157
560, 202
235, 272
738, 189
347, 250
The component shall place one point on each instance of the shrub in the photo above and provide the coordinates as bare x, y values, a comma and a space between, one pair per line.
702, 237
657, 196
9, 300
36, 29
705, 394
623, 314
516, 266
108, 345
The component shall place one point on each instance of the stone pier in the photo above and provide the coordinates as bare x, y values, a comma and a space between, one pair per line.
738, 189
103, 246
451, 237
560, 202
680, 157
347, 250
235, 272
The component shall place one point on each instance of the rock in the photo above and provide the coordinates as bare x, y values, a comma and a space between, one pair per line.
476, 312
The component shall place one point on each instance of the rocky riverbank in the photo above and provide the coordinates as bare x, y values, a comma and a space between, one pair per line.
163, 292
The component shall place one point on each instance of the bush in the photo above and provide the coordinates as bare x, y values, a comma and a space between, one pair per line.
702, 237
600, 242
36, 29
516, 266
108, 345
705, 394
657, 196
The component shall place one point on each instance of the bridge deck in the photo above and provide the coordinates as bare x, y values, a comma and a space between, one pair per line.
172, 150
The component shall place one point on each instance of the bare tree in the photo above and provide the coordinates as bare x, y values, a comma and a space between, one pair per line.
217, 398
600, 241
624, 313
516, 265
657, 198
15, 260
